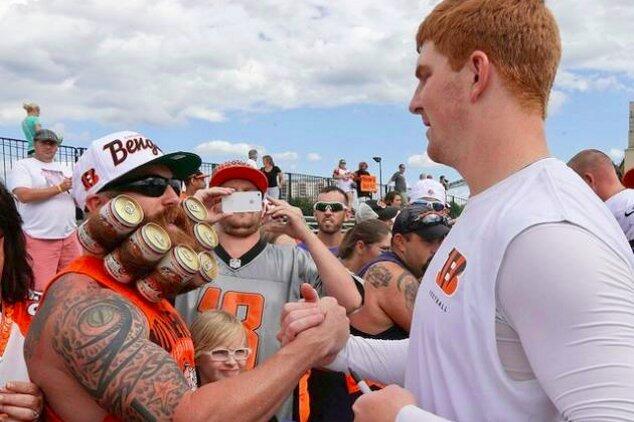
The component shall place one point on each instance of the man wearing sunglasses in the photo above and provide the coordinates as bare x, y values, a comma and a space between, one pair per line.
194, 183
330, 211
392, 279
121, 357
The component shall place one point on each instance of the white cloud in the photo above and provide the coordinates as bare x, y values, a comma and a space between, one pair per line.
421, 161
285, 156
616, 155
313, 156
224, 148
556, 101
193, 59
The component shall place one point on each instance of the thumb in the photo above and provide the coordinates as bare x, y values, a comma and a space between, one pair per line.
309, 293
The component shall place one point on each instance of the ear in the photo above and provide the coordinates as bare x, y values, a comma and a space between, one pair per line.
589, 179
398, 242
359, 245
94, 202
480, 72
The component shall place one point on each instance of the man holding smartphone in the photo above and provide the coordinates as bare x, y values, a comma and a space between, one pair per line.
256, 278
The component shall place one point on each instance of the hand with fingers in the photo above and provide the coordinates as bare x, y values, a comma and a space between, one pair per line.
383, 405
324, 321
211, 198
282, 217
21, 401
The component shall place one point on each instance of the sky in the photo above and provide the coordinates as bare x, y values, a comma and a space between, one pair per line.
306, 81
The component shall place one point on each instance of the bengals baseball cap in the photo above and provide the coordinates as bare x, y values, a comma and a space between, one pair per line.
234, 170
411, 220
111, 158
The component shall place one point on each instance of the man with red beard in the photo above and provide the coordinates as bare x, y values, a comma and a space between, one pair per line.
121, 357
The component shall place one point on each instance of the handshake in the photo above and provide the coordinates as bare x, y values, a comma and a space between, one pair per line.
319, 327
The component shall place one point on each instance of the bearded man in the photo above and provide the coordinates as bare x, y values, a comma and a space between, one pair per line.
122, 357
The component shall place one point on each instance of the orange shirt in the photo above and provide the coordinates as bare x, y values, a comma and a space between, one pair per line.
167, 329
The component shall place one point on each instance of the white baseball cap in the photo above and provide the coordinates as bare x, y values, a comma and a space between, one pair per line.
428, 189
110, 158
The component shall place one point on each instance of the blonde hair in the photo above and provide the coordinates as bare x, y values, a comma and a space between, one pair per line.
520, 37
215, 328
29, 107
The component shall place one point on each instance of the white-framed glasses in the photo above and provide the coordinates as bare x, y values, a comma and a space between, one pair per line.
222, 354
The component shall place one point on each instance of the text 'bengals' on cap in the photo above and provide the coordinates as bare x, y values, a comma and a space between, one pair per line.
112, 157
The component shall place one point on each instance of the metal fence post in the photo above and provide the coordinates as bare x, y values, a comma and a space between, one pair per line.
289, 191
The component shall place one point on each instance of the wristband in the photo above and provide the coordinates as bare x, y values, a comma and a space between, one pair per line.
59, 188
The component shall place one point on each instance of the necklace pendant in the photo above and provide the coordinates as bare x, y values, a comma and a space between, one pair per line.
235, 263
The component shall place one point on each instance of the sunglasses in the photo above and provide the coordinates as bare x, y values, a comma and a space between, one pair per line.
426, 219
221, 354
431, 205
322, 206
152, 186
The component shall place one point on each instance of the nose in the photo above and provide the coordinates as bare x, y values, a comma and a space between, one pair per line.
415, 106
170, 197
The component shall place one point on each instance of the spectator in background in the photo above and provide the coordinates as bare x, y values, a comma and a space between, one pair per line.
331, 211
392, 279
398, 178
362, 171
253, 158
597, 170
344, 180
41, 186
444, 182
274, 176
21, 399
372, 209
428, 188
220, 346
31, 124
194, 183
363, 243
394, 199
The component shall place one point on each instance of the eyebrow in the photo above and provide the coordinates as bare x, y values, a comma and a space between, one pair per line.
420, 69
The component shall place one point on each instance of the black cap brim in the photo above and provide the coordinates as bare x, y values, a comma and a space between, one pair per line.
386, 213
182, 164
433, 232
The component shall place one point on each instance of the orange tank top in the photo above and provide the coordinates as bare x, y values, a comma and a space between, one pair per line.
167, 329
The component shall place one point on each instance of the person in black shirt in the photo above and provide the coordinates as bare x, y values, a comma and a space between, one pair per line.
363, 171
274, 176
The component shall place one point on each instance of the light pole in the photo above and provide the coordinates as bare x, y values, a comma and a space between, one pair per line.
378, 160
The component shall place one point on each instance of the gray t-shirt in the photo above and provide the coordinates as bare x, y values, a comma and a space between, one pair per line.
255, 292
399, 182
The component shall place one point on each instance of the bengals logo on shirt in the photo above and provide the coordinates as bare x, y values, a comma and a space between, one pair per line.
448, 277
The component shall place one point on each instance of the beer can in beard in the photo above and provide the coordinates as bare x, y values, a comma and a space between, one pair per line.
115, 220
194, 209
138, 253
205, 235
206, 274
170, 275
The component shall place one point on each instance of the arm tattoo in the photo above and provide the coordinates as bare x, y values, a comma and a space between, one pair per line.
408, 284
378, 276
39, 321
104, 341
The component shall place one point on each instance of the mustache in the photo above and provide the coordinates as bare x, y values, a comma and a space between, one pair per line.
178, 226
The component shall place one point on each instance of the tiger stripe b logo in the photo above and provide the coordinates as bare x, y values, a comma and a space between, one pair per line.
449, 276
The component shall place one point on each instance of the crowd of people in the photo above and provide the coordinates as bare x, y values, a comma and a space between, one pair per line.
166, 304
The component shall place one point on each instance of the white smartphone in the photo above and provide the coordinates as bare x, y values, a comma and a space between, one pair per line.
242, 202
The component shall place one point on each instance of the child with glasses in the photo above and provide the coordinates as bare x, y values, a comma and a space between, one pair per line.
220, 344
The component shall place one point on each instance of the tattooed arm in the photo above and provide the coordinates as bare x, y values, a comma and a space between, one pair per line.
396, 291
100, 342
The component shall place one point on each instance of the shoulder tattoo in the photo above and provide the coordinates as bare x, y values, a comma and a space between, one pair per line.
378, 276
104, 342
408, 285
